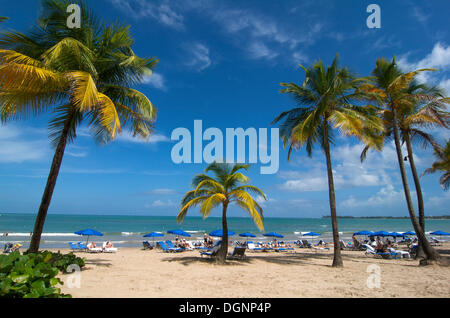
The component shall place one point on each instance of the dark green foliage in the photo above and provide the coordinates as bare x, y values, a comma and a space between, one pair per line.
34, 275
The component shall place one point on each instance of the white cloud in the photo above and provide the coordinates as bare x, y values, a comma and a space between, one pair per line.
258, 50
197, 56
387, 196
162, 192
127, 136
161, 11
16, 146
438, 58
348, 170
161, 203
156, 80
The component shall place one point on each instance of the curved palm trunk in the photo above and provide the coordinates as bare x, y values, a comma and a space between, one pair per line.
420, 252
337, 257
222, 254
48, 192
430, 252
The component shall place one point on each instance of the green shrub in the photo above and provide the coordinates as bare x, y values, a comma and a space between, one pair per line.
62, 261
34, 275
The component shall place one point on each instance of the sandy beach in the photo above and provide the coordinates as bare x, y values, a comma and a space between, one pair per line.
133, 272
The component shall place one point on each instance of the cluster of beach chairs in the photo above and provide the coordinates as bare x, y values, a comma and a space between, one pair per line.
80, 246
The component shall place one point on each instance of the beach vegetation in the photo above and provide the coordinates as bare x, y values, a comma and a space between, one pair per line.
329, 98
79, 76
29, 276
406, 106
228, 186
442, 164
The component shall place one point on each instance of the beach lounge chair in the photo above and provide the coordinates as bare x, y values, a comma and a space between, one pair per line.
109, 249
167, 249
90, 249
306, 244
74, 247
238, 252
400, 254
147, 245
370, 251
212, 253
253, 247
172, 247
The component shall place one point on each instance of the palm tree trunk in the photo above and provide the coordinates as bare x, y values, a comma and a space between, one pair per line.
420, 252
430, 252
337, 257
222, 254
48, 192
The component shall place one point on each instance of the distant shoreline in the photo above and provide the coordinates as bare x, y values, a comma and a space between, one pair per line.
442, 217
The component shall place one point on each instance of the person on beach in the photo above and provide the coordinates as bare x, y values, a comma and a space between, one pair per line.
380, 248
109, 244
5, 234
92, 245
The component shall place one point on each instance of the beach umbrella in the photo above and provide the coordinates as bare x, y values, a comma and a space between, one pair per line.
409, 233
274, 234
219, 233
396, 234
363, 233
247, 235
179, 232
153, 235
381, 233
440, 233
311, 234
88, 232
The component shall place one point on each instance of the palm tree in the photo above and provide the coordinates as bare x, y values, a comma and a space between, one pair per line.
442, 164
228, 186
328, 99
78, 75
394, 94
423, 107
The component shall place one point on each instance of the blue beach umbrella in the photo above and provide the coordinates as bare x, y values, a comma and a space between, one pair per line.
274, 234
440, 233
88, 232
409, 233
311, 234
219, 233
396, 234
363, 233
246, 234
179, 232
381, 233
153, 235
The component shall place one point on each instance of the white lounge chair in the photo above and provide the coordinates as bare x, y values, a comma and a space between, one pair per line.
400, 254
109, 249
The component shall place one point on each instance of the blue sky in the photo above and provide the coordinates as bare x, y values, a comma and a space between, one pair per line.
222, 62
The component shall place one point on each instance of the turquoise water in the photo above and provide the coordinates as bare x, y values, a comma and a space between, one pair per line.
128, 230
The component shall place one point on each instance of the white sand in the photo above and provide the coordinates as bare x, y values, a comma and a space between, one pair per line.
133, 272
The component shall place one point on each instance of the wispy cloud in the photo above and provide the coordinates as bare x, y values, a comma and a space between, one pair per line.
156, 80
438, 58
198, 56
161, 192
16, 146
127, 136
160, 11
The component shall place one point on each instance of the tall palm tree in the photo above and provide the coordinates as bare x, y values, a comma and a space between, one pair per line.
327, 99
79, 76
393, 90
423, 107
228, 186
442, 164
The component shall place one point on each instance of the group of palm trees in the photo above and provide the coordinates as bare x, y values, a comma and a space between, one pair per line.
85, 75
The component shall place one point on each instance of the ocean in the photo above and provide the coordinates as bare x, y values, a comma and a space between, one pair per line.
127, 231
